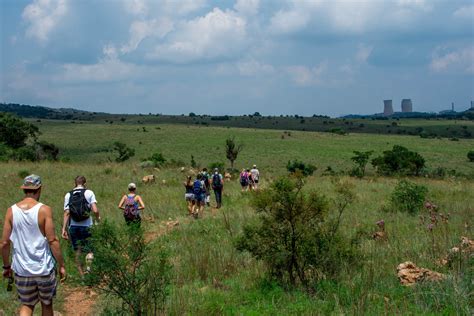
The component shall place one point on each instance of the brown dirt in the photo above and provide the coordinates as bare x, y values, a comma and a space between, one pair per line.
79, 301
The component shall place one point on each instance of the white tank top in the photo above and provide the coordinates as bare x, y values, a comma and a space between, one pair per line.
31, 252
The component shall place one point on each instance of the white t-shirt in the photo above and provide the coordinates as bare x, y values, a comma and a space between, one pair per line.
90, 198
255, 173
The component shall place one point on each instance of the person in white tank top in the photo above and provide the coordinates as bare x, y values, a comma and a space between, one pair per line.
29, 227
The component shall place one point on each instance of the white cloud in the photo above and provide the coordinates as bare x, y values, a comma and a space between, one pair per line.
461, 60
139, 30
363, 53
465, 12
289, 21
136, 7
306, 76
109, 68
247, 7
247, 68
42, 16
217, 34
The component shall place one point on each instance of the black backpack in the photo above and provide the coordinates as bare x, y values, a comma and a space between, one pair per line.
78, 207
216, 182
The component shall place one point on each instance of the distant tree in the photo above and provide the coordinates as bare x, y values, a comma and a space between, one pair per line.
192, 114
14, 132
470, 155
399, 160
257, 114
360, 158
299, 167
232, 150
123, 152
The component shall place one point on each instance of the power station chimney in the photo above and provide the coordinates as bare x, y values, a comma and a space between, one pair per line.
407, 106
472, 104
387, 107
452, 106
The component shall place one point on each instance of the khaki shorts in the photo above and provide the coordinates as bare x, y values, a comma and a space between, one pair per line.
38, 288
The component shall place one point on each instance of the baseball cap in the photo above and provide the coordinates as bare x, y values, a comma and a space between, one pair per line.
31, 182
132, 186
255, 166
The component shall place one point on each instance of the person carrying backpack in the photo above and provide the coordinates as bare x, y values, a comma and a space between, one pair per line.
217, 186
132, 204
207, 185
77, 221
244, 180
255, 176
199, 192
189, 194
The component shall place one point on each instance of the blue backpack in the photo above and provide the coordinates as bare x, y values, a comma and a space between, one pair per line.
197, 187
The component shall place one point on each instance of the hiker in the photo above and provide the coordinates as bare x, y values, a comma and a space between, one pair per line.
244, 180
199, 192
132, 204
255, 176
207, 185
77, 220
217, 186
250, 180
189, 195
29, 226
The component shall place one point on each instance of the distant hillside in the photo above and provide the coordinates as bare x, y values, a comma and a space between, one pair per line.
425, 125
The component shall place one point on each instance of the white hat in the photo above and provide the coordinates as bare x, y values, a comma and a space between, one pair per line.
132, 186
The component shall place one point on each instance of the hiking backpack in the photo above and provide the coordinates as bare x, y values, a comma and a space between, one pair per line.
79, 208
216, 181
197, 187
131, 212
244, 178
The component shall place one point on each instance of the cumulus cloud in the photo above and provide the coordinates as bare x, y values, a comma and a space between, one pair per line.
42, 16
307, 76
247, 68
218, 34
247, 7
363, 53
461, 60
139, 30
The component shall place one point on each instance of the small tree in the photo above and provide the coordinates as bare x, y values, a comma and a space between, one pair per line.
157, 159
14, 132
300, 167
123, 152
296, 236
126, 267
470, 155
232, 150
361, 159
408, 197
399, 160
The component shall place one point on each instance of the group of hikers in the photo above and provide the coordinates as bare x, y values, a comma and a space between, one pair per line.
36, 256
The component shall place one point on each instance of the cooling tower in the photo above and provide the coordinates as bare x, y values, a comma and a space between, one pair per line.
387, 107
407, 106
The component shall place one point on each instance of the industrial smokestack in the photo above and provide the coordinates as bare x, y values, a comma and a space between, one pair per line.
472, 104
407, 106
387, 107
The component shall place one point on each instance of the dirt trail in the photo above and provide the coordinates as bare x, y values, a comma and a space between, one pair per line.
80, 301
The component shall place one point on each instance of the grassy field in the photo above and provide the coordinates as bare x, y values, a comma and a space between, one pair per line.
209, 276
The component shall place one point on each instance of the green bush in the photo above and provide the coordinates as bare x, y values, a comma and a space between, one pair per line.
295, 235
408, 197
157, 159
14, 132
218, 165
123, 151
127, 268
297, 166
470, 155
399, 161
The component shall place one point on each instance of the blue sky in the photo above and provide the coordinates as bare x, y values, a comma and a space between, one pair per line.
237, 57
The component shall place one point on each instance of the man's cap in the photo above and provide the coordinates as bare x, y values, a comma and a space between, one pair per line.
132, 186
255, 166
31, 182
216, 169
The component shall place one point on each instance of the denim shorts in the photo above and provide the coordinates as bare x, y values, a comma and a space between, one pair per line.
80, 237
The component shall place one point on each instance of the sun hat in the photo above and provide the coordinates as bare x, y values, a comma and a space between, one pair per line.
132, 186
31, 182
255, 166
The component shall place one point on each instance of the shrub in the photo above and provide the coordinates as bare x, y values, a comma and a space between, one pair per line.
25, 153
15, 132
23, 174
408, 197
127, 268
123, 151
46, 151
218, 165
297, 166
400, 161
294, 235
361, 159
470, 155
157, 159
232, 150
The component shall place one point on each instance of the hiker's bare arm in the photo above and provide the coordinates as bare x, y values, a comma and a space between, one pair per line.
53, 239
121, 202
95, 211
65, 223
5, 244
141, 205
